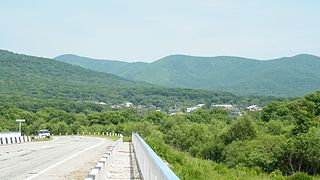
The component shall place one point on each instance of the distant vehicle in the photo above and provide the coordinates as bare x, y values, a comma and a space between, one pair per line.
44, 133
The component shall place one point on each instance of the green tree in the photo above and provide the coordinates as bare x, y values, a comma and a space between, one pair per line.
303, 152
242, 129
266, 152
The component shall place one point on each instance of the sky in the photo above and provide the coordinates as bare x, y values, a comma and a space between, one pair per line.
147, 30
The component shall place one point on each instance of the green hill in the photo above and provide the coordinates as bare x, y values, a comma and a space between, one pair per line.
27, 78
289, 76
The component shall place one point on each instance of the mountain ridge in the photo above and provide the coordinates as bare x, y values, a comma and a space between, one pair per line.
43, 82
286, 76
180, 55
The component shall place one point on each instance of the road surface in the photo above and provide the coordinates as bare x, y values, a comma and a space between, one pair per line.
65, 157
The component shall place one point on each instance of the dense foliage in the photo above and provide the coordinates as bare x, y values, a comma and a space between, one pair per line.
292, 76
281, 140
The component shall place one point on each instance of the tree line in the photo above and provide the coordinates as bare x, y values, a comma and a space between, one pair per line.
281, 141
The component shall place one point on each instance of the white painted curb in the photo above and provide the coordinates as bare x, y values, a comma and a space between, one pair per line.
5, 140
102, 170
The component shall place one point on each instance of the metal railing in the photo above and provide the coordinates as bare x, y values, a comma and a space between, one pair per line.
151, 165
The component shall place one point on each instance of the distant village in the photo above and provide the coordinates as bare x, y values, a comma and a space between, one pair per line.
228, 107
174, 110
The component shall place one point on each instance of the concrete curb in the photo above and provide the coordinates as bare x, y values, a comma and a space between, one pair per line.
5, 140
102, 170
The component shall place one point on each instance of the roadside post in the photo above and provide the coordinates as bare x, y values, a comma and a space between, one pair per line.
20, 121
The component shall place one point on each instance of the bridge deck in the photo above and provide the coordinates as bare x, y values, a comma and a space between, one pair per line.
124, 165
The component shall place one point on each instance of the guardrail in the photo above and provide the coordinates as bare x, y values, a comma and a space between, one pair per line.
13, 138
102, 170
150, 164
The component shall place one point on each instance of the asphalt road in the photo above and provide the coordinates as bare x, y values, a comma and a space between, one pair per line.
65, 157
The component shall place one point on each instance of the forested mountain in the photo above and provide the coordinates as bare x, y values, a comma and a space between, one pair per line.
32, 76
289, 76
23, 78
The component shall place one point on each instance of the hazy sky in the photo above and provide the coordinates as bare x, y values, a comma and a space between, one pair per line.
146, 30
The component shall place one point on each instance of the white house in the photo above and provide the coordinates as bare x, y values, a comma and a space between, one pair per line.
195, 108
128, 104
224, 106
253, 108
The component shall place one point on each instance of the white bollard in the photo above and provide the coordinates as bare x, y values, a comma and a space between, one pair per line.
21, 139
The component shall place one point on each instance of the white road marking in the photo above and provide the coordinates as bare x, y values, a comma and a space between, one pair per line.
60, 162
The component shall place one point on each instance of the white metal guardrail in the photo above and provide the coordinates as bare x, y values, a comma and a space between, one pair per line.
151, 165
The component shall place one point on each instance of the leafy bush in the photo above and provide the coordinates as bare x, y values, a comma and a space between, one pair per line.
299, 176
